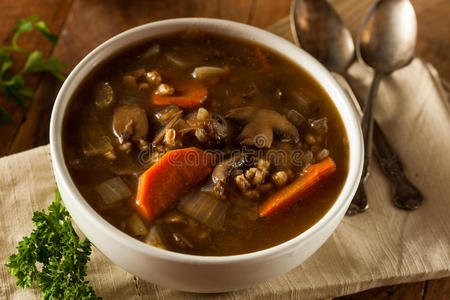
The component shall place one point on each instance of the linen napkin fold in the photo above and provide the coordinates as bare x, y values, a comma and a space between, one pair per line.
382, 246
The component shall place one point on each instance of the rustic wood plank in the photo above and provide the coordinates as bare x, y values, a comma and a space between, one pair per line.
433, 43
34, 130
53, 12
438, 289
267, 12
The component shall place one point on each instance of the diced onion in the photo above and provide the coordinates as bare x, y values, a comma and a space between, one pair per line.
92, 138
93, 144
301, 103
297, 119
126, 166
320, 125
324, 153
307, 158
113, 190
167, 113
176, 61
103, 95
153, 50
205, 208
153, 238
137, 226
207, 71
208, 188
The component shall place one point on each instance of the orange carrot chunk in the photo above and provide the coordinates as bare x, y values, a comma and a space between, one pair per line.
190, 96
262, 59
291, 194
168, 179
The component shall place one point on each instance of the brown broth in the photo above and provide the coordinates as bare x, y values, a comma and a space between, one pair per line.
238, 235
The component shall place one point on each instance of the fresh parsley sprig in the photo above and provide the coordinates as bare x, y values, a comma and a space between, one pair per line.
14, 85
53, 256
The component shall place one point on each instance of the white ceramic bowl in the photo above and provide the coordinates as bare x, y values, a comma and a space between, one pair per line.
189, 272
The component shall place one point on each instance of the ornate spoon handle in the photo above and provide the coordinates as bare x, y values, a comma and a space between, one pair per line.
406, 195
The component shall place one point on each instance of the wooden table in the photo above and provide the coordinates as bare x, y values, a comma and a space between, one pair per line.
84, 24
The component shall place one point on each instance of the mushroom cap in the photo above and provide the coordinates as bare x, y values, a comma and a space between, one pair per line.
130, 123
261, 125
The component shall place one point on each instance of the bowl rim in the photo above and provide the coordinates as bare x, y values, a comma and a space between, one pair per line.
228, 28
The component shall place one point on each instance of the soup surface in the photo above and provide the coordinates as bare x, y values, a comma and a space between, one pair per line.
206, 145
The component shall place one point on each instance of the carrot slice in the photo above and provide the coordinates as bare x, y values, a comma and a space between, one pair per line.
191, 96
291, 194
166, 181
263, 59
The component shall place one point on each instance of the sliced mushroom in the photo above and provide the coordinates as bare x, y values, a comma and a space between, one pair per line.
207, 71
216, 129
260, 126
320, 126
297, 119
103, 95
167, 113
130, 78
181, 241
130, 123
222, 171
160, 136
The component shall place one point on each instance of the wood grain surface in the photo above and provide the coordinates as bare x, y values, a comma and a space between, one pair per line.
84, 24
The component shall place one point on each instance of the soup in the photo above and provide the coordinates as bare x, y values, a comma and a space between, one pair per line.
206, 145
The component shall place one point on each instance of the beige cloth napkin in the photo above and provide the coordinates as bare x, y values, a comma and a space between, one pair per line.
383, 246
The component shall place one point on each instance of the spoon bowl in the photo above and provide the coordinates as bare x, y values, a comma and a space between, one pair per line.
388, 38
323, 34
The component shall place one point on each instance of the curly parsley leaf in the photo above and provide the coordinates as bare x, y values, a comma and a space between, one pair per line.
5, 63
14, 85
53, 256
42, 27
23, 25
36, 64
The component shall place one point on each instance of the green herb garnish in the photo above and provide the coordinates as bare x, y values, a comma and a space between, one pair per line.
14, 85
53, 257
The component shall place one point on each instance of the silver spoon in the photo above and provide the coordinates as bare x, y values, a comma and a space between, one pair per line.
319, 30
386, 43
